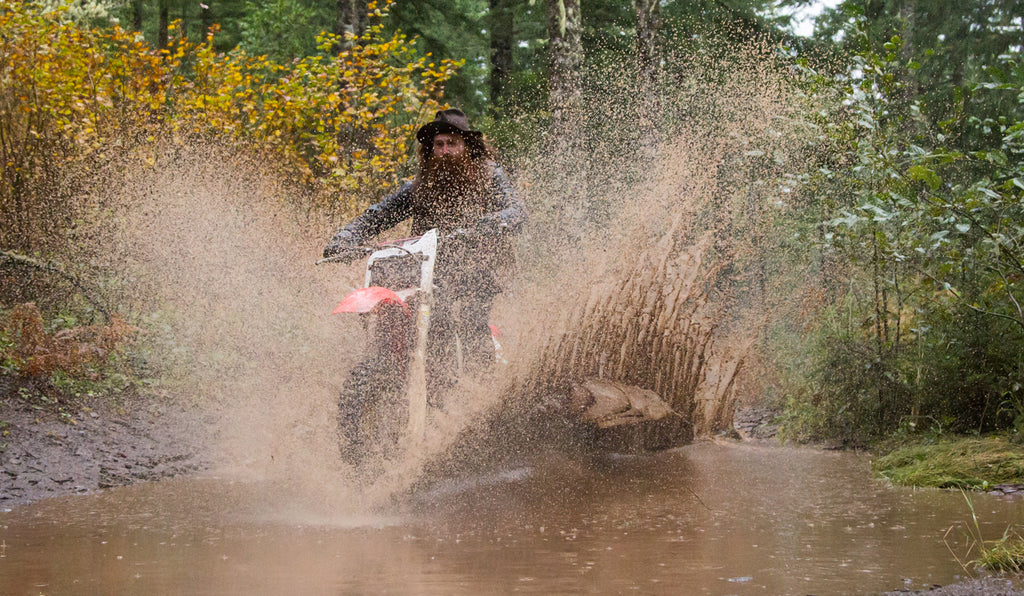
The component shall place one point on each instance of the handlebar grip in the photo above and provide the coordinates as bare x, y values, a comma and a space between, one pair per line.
346, 255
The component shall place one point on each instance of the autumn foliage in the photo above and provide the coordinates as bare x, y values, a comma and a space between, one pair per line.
28, 348
340, 120
72, 97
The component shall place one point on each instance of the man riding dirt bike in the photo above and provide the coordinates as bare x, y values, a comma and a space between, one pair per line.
464, 199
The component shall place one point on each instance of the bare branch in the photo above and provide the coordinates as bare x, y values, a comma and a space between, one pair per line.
50, 267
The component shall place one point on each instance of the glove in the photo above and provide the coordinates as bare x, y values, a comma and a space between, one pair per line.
342, 242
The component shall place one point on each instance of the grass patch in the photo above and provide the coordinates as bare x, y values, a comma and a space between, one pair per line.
974, 463
1004, 555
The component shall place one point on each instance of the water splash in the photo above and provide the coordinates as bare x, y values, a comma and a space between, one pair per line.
635, 267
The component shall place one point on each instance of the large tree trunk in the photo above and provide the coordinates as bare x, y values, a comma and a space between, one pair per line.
205, 17
908, 12
502, 37
648, 22
183, 27
566, 58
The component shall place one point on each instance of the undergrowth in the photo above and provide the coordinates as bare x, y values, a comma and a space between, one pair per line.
57, 365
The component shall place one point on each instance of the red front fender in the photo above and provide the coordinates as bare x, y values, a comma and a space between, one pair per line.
365, 300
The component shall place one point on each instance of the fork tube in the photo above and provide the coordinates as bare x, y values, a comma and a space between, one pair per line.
417, 379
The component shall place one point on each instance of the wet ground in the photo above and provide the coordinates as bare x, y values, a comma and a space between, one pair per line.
45, 455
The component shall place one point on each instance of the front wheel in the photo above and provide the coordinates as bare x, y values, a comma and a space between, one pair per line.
371, 414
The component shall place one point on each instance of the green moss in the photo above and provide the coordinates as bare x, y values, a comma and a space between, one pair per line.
971, 463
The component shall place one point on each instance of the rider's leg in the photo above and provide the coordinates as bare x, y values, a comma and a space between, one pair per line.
474, 327
441, 361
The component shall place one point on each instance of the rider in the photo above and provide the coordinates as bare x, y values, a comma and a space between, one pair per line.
462, 192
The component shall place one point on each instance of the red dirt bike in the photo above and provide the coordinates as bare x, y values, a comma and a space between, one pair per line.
384, 402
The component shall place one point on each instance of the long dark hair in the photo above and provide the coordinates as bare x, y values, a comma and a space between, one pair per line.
479, 149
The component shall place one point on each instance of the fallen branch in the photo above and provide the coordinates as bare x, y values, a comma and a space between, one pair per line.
59, 270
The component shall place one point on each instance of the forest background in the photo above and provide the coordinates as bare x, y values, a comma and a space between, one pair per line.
900, 235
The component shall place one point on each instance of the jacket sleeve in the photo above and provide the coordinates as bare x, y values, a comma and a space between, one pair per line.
510, 212
389, 212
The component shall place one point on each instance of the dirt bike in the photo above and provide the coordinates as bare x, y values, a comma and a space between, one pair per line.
384, 402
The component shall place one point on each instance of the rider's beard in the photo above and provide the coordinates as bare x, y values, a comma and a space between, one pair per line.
452, 184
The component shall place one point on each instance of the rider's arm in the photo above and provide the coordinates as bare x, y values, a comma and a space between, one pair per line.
510, 212
389, 212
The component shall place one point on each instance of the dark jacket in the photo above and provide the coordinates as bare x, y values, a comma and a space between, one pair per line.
483, 249
505, 213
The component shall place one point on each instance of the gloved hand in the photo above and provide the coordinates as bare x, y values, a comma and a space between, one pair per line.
342, 242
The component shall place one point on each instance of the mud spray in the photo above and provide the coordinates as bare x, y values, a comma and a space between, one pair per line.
645, 231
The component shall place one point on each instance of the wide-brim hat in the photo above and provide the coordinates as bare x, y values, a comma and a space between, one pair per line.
451, 121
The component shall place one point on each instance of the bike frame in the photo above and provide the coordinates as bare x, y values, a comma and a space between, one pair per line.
374, 298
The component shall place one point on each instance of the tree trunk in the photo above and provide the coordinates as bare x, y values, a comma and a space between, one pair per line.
908, 12
351, 19
565, 58
183, 28
502, 37
648, 22
137, 15
165, 21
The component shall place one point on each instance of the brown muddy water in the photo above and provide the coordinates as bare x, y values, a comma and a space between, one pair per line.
709, 518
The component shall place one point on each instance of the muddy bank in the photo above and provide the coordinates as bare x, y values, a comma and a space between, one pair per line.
986, 586
44, 456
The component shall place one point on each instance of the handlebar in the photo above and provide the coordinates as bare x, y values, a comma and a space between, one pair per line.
348, 255
355, 252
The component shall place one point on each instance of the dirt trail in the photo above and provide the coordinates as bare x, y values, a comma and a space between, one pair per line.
42, 456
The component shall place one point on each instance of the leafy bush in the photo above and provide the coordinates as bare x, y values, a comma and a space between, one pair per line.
339, 121
30, 350
926, 251
67, 93
74, 96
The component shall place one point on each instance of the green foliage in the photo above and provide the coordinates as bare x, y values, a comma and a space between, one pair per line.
927, 247
948, 48
282, 30
1004, 555
454, 29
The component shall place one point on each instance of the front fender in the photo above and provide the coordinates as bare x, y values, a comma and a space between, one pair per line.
364, 300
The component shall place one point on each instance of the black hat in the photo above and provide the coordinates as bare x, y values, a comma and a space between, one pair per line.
448, 122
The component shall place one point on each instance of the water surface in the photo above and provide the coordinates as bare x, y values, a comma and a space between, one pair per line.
709, 518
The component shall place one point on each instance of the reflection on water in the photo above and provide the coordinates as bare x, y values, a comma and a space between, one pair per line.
708, 518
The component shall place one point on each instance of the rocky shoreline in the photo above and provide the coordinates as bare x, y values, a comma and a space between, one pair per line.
985, 586
756, 423
99, 447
